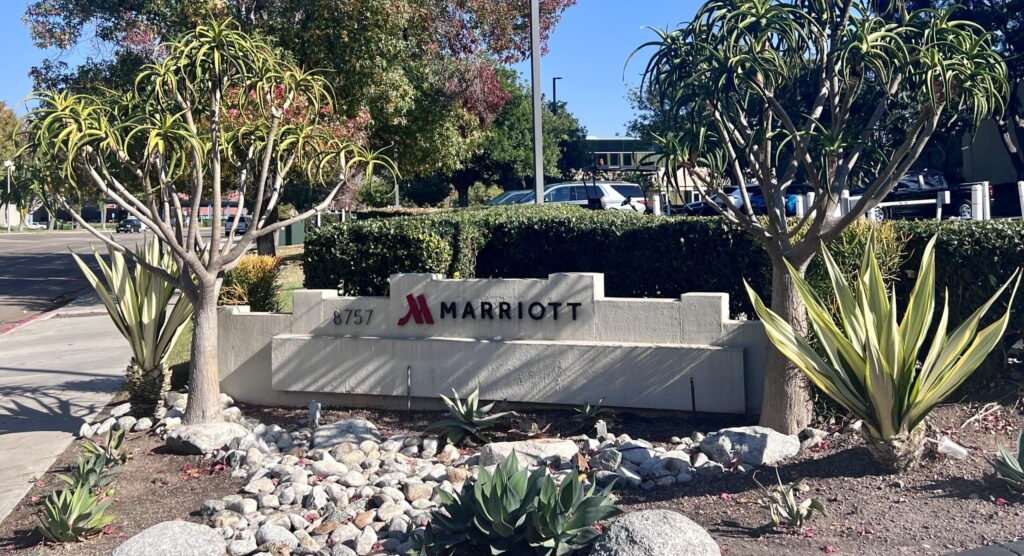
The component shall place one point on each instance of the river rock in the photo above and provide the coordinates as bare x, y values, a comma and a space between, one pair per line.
541, 451
349, 430
275, 534
204, 438
750, 445
655, 533
174, 538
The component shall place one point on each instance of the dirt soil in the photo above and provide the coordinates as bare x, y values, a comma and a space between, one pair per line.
943, 506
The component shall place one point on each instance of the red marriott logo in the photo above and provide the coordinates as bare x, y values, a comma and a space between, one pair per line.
419, 311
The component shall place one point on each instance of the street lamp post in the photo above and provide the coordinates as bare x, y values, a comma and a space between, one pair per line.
538, 133
9, 166
554, 93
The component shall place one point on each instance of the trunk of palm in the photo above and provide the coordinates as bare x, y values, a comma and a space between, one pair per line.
204, 378
786, 405
898, 453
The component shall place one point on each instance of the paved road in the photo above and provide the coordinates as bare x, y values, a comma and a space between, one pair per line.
37, 272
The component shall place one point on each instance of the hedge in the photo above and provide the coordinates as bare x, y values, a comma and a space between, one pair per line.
641, 256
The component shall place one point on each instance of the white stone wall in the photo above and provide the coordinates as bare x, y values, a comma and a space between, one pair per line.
638, 353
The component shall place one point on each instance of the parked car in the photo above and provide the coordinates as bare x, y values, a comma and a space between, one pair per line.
243, 225
605, 195
508, 197
130, 225
923, 186
35, 226
706, 208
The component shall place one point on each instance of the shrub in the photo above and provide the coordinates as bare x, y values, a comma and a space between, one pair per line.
872, 366
254, 283
643, 256
479, 193
73, 514
513, 511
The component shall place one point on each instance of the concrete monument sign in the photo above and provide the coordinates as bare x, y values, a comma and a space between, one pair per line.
557, 340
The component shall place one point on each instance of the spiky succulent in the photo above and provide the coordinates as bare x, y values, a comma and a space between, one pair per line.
514, 511
466, 419
1010, 467
73, 514
781, 502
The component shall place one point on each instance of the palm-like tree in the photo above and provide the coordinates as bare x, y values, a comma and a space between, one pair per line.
832, 93
219, 111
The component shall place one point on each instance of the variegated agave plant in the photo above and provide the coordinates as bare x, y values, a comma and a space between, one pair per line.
872, 364
138, 301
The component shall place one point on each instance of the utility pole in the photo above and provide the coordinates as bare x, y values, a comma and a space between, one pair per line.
7, 206
538, 131
554, 93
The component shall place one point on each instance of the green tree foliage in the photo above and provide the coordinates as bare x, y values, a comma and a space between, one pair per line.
417, 74
834, 94
505, 157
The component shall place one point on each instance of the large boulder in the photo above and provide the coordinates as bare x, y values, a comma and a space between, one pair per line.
655, 533
540, 451
204, 438
349, 430
174, 538
750, 445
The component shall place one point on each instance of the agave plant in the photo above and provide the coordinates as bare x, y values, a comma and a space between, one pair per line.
95, 471
112, 448
783, 507
514, 511
73, 514
872, 366
466, 419
586, 415
1010, 467
137, 301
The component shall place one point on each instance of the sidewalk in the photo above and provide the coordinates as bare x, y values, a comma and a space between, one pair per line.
54, 372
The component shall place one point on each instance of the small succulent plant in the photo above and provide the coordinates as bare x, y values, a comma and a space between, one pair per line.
1010, 467
466, 419
73, 514
514, 511
781, 502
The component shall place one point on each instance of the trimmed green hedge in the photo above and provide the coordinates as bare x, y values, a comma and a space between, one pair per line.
640, 256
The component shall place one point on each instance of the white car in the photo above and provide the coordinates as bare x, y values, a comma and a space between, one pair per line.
35, 226
613, 195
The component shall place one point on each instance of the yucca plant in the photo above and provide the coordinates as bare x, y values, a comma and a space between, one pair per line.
95, 471
73, 515
514, 511
871, 366
112, 448
138, 302
1010, 467
782, 505
466, 419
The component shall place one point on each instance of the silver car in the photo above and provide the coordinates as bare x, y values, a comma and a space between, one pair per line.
613, 195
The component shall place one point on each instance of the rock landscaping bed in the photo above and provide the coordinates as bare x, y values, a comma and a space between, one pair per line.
366, 482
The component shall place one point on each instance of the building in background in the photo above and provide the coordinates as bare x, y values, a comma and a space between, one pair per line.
636, 160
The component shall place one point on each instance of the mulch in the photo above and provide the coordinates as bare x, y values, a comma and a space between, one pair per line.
944, 505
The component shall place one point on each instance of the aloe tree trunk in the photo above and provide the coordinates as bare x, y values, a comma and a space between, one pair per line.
204, 378
786, 405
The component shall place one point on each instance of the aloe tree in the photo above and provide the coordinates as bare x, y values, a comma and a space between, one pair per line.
217, 111
831, 93
138, 302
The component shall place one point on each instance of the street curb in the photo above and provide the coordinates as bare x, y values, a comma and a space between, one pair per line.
49, 313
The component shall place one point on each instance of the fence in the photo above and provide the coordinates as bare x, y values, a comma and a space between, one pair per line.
980, 202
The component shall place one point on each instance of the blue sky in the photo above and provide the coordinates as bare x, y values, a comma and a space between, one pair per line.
588, 50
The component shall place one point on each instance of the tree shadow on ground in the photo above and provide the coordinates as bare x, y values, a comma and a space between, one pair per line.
51, 407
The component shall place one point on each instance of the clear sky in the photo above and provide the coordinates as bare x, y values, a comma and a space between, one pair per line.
588, 50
